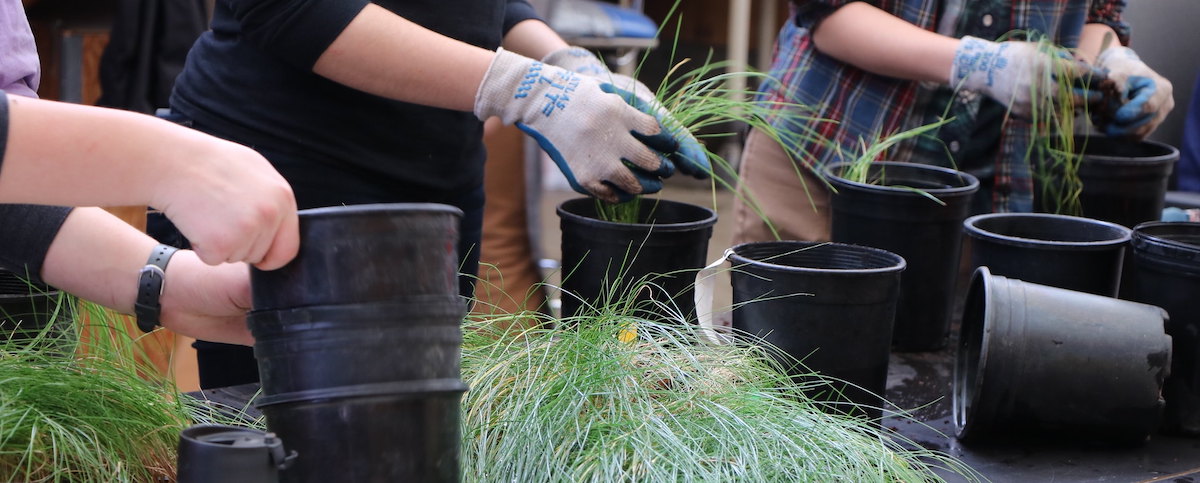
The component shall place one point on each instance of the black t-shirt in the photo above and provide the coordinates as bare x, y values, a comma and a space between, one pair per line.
250, 80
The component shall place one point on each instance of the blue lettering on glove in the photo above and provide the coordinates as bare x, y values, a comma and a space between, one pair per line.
527, 82
557, 100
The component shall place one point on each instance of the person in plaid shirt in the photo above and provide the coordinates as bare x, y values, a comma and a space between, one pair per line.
869, 69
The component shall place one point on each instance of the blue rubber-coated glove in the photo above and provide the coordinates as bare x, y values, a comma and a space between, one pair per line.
691, 158
1013, 72
1145, 97
605, 147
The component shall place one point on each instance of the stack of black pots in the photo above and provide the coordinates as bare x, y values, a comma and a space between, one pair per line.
358, 344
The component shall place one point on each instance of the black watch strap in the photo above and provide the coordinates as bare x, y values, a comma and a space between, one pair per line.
150, 287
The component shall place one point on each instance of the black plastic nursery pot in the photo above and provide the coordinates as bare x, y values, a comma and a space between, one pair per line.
1062, 251
889, 213
27, 310
214, 452
1124, 181
1034, 359
358, 345
603, 261
365, 253
828, 305
1165, 271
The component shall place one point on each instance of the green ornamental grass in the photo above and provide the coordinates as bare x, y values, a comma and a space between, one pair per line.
88, 411
613, 398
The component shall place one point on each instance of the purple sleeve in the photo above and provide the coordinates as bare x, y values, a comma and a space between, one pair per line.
298, 31
20, 70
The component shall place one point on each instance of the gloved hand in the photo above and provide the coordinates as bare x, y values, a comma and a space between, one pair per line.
1012, 72
605, 147
1145, 96
691, 158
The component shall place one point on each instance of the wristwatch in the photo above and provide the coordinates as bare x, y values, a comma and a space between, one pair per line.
150, 287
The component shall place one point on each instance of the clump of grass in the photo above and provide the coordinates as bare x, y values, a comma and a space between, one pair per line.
701, 102
860, 163
861, 167
1052, 153
623, 212
88, 411
92, 417
615, 398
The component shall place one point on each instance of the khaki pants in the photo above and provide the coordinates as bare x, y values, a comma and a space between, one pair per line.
774, 192
509, 278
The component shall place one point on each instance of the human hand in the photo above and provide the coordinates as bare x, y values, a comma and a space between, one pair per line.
691, 158
231, 204
206, 302
1144, 96
1017, 73
605, 147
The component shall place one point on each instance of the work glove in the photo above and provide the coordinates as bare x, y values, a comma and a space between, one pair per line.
1144, 96
605, 147
691, 158
1014, 72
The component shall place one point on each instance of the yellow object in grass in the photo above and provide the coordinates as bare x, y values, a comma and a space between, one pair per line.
628, 332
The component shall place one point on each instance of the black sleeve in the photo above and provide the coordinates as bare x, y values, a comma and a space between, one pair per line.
297, 31
810, 13
25, 235
517, 11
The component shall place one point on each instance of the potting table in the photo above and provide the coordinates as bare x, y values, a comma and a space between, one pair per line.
921, 382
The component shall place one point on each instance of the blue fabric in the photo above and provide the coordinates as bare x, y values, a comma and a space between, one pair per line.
628, 23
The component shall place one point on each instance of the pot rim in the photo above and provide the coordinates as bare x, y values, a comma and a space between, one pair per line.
1170, 156
378, 208
737, 259
708, 220
970, 225
972, 183
965, 400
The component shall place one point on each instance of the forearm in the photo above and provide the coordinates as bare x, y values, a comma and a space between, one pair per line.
67, 154
96, 256
1092, 41
533, 38
387, 55
871, 39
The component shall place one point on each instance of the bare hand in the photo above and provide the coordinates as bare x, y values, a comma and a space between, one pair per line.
207, 302
232, 206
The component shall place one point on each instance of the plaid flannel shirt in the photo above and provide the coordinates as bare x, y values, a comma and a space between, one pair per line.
865, 107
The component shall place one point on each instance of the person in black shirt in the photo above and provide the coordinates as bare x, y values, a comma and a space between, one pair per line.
383, 102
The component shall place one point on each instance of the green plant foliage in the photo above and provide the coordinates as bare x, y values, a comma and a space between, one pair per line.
1052, 152
701, 101
614, 398
88, 411
862, 162
625, 212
